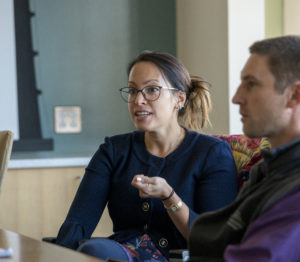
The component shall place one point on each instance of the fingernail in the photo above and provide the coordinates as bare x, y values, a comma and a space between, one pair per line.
139, 179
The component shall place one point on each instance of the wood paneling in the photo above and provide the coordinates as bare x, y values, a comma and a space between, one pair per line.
34, 202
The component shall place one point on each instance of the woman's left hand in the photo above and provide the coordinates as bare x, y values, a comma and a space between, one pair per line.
151, 187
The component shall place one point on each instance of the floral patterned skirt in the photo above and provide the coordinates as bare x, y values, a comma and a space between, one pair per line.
143, 249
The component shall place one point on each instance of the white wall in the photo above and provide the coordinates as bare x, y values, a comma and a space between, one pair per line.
8, 85
246, 24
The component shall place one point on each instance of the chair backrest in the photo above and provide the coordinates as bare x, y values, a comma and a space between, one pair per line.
6, 141
246, 152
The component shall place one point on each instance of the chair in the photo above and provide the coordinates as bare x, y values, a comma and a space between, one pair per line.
246, 152
6, 141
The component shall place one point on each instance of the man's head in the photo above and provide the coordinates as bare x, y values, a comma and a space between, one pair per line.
283, 55
269, 93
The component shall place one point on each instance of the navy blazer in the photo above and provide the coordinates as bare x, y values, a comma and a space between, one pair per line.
201, 171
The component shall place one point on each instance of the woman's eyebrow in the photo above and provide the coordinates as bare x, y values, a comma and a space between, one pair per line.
151, 80
146, 82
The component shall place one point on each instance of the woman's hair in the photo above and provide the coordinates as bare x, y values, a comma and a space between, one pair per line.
194, 114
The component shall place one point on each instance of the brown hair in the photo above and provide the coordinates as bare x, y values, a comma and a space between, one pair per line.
283, 57
194, 114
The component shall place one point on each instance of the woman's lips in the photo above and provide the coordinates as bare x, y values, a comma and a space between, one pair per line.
142, 115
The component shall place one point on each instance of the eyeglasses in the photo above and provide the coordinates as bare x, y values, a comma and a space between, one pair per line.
150, 93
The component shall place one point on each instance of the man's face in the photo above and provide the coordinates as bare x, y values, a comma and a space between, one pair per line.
263, 109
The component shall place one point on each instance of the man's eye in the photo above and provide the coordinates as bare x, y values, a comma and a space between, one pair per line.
250, 84
152, 89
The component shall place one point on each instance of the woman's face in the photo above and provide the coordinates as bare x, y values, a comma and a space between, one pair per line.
152, 116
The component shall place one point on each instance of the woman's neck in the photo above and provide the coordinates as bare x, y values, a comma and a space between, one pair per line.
162, 144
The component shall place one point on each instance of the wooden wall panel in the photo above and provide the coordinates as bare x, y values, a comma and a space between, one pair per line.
34, 202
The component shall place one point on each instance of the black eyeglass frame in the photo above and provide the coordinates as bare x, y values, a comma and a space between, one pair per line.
142, 91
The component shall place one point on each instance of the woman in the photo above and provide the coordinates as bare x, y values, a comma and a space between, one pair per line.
158, 179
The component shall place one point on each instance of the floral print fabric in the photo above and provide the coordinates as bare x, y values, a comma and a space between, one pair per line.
246, 152
143, 249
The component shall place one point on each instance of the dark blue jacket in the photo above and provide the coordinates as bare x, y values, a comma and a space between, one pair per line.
201, 170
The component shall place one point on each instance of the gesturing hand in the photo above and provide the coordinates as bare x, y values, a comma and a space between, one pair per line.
151, 187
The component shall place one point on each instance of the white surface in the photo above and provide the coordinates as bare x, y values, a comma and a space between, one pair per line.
8, 84
48, 162
246, 24
6, 252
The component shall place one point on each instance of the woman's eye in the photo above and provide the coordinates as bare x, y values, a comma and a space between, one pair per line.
152, 89
132, 91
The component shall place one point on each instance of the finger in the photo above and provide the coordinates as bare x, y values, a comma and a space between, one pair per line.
142, 187
142, 194
137, 179
149, 180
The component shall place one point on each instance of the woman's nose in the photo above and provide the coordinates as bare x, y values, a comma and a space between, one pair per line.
139, 98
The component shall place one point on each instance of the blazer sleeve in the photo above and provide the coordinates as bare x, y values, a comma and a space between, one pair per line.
90, 199
218, 184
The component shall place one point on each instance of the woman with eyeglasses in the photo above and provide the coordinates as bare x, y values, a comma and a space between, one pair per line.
155, 180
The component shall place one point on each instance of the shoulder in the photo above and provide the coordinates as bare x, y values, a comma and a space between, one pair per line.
283, 216
204, 139
208, 145
284, 208
122, 140
210, 150
272, 236
118, 145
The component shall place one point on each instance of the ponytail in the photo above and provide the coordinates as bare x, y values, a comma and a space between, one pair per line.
194, 115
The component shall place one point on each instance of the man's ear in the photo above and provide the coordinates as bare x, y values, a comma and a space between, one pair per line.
294, 95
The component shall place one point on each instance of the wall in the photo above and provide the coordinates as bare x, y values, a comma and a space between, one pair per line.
84, 48
8, 84
246, 24
213, 38
274, 18
202, 47
291, 17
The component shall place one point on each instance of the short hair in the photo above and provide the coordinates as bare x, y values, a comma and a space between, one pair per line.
283, 58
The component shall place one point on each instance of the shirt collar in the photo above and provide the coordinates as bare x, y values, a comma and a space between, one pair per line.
271, 154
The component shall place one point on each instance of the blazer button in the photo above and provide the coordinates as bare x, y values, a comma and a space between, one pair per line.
163, 242
145, 206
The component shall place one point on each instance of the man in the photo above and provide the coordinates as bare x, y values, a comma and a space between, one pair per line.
263, 223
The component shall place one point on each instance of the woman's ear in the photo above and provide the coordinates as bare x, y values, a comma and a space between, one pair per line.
181, 97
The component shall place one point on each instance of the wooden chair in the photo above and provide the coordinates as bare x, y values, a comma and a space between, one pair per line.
6, 141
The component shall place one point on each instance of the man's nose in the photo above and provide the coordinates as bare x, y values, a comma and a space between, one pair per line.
236, 99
